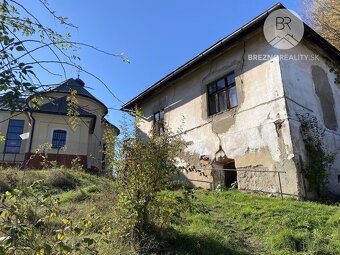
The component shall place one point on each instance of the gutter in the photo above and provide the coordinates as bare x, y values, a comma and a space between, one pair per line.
32, 132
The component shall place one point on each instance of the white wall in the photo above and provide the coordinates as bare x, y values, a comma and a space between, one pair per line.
247, 133
76, 140
79, 141
300, 89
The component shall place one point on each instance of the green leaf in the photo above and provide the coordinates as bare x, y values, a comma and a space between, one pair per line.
60, 236
20, 48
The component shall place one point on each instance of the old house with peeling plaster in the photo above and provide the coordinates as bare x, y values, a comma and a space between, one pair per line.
237, 104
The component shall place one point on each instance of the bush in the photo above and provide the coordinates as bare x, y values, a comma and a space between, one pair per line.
144, 169
25, 226
9, 180
76, 164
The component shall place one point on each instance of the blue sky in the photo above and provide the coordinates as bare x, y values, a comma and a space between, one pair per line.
157, 37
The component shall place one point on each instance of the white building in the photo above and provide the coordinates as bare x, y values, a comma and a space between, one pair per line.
241, 112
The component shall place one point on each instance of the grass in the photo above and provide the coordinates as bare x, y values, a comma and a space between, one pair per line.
204, 235
228, 222
271, 226
58, 181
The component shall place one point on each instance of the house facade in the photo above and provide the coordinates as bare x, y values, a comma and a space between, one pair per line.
237, 105
47, 129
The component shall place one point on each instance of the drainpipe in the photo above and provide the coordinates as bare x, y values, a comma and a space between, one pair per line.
32, 132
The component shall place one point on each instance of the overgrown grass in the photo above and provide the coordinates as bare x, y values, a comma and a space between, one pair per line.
227, 222
204, 234
275, 226
57, 180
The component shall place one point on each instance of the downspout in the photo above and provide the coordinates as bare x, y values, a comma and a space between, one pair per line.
32, 132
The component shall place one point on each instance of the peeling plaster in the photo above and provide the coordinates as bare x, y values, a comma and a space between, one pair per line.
325, 94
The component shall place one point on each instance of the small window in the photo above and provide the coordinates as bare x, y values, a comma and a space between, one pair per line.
59, 138
222, 94
13, 140
158, 122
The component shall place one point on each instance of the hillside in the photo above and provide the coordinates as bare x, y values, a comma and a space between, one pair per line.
226, 222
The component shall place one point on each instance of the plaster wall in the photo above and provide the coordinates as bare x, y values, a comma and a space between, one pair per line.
79, 141
310, 88
76, 140
256, 134
93, 143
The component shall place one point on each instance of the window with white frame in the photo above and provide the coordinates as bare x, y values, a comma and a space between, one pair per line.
59, 138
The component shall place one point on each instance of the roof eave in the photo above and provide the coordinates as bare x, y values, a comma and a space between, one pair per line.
199, 57
319, 40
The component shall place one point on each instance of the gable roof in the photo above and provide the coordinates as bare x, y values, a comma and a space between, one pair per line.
225, 42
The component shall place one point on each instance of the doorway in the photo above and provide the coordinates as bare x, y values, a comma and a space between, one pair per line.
230, 176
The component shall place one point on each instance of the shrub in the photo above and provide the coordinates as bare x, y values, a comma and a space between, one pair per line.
76, 164
25, 226
144, 169
9, 180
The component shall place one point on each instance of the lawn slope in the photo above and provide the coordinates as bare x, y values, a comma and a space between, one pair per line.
263, 225
228, 222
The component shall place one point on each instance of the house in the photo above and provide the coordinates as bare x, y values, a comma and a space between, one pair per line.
47, 129
237, 105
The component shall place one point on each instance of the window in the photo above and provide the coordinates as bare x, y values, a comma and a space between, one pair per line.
222, 94
58, 138
13, 140
158, 122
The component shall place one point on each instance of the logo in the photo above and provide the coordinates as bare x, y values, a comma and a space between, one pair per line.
283, 29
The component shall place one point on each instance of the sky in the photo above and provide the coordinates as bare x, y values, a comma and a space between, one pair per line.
156, 36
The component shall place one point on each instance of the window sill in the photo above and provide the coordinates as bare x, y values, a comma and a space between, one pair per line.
223, 112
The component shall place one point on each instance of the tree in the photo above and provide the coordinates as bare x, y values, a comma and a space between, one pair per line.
324, 17
22, 38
